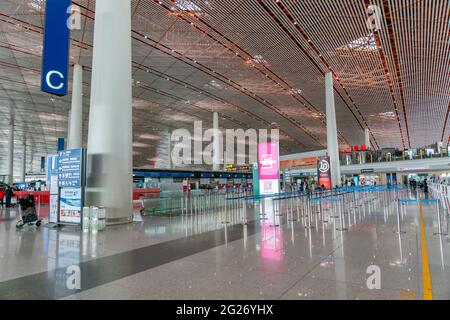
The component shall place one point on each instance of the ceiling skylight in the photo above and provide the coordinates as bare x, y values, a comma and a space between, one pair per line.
187, 5
366, 43
36, 4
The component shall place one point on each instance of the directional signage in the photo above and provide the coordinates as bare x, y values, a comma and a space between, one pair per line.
70, 168
55, 56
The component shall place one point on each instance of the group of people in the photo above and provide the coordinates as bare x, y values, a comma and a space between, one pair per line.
349, 183
413, 184
309, 187
6, 195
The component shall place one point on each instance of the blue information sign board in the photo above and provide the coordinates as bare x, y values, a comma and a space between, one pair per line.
55, 57
52, 166
70, 168
42, 164
61, 144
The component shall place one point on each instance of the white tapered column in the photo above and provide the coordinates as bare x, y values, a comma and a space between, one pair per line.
367, 138
68, 129
10, 162
169, 162
75, 139
109, 170
332, 141
216, 143
23, 169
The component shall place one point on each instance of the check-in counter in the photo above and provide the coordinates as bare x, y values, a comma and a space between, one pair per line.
43, 197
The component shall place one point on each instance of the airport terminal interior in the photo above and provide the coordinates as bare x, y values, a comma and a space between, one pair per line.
225, 149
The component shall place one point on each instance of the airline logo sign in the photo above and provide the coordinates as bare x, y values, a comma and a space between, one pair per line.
55, 57
323, 172
324, 166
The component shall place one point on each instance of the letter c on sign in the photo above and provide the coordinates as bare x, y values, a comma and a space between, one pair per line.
49, 83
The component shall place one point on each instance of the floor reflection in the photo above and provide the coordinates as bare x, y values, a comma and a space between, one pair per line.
308, 249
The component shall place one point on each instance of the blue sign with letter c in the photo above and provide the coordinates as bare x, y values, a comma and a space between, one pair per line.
55, 56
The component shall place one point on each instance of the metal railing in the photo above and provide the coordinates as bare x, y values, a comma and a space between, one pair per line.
171, 203
377, 157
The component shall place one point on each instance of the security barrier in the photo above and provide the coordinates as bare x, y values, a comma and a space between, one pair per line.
441, 192
342, 208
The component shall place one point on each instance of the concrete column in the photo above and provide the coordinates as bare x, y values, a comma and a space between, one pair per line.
224, 165
332, 141
216, 143
367, 138
68, 129
169, 152
23, 169
75, 136
110, 140
10, 162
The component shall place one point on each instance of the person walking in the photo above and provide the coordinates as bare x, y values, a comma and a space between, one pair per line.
425, 186
9, 194
2, 195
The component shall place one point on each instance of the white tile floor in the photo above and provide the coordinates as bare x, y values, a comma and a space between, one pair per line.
287, 262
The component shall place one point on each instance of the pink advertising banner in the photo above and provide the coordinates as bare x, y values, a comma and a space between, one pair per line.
268, 161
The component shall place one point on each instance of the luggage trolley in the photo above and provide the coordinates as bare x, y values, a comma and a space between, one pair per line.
28, 213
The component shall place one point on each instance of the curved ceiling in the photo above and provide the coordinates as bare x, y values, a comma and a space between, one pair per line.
260, 63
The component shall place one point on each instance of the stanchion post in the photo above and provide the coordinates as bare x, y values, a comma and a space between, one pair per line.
244, 212
398, 219
274, 216
438, 211
342, 222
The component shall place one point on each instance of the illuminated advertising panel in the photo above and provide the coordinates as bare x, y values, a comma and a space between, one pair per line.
268, 167
70, 205
298, 163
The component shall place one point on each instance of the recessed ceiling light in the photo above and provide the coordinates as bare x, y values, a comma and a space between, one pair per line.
295, 91
186, 5
366, 43
259, 59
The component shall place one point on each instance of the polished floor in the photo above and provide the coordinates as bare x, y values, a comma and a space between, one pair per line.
288, 253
